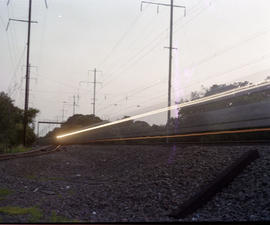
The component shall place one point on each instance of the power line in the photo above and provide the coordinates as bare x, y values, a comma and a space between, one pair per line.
119, 42
190, 20
75, 103
160, 34
145, 31
172, 6
2, 22
137, 55
9, 90
257, 60
95, 71
226, 49
134, 91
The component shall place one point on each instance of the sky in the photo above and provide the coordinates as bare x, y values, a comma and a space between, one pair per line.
218, 41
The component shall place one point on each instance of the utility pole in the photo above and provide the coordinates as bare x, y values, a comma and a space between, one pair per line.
63, 109
95, 83
75, 104
25, 121
30, 72
172, 6
170, 64
27, 77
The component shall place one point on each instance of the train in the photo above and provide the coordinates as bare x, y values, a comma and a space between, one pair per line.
245, 107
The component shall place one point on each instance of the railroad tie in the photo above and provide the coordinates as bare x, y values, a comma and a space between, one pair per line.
222, 180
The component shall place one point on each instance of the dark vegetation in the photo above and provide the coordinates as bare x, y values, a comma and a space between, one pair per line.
78, 121
11, 125
140, 128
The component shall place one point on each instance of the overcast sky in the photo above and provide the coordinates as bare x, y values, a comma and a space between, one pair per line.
219, 41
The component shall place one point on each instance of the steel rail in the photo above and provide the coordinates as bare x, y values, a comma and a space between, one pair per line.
42, 151
176, 135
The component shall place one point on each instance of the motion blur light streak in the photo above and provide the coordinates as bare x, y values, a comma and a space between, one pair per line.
201, 100
182, 135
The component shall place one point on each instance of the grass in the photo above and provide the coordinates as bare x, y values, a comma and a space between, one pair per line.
31, 177
35, 212
71, 192
17, 149
59, 219
4, 192
60, 196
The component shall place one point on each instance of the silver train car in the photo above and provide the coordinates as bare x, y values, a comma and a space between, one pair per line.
248, 107
241, 108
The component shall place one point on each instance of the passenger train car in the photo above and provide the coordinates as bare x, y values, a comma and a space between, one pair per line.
240, 108
248, 107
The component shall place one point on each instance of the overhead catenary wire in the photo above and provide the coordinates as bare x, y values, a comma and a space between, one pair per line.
164, 31
2, 23
141, 57
9, 89
134, 92
12, 53
246, 64
13, 32
137, 57
230, 47
131, 63
43, 34
120, 41
165, 109
145, 31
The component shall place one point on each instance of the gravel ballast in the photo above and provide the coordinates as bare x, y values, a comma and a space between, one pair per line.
133, 183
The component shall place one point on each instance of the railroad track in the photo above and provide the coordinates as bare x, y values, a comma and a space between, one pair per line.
127, 141
118, 142
42, 151
223, 137
55, 148
197, 200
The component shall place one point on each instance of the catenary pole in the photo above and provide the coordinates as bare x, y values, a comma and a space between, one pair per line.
25, 122
95, 71
172, 6
74, 104
95, 82
170, 63
27, 76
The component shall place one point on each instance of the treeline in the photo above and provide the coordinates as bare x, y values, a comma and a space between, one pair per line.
11, 124
214, 89
128, 129
231, 101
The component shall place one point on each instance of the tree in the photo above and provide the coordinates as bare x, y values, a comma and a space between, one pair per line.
11, 123
74, 122
215, 89
218, 88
